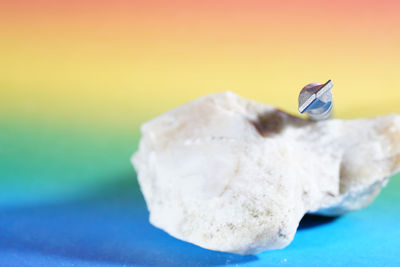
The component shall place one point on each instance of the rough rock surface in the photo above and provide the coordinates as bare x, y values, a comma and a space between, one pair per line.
233, 175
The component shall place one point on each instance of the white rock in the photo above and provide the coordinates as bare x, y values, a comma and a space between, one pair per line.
233, 175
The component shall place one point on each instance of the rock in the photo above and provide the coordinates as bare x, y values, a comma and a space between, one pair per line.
233, 175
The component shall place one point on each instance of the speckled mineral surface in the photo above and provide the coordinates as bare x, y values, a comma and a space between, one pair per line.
234, 175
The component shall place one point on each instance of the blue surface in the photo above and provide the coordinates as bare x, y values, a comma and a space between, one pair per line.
111, 228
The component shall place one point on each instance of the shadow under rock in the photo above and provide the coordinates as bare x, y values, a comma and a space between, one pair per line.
312, 220
110, 226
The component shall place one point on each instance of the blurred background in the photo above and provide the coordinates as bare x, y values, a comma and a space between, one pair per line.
78, 78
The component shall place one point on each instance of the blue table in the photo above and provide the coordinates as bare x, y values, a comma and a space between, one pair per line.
110, 228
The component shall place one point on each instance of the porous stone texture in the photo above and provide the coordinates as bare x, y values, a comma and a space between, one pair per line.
234, 175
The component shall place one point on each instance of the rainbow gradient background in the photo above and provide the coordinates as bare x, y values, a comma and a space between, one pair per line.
77, 79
